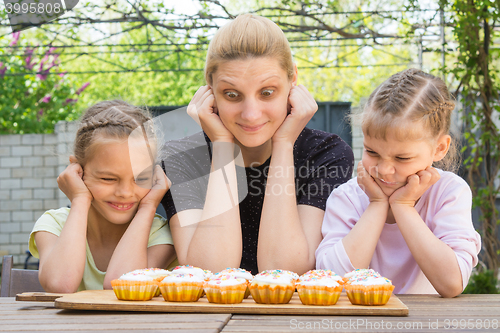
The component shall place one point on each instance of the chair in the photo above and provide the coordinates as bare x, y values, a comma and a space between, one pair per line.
16, 281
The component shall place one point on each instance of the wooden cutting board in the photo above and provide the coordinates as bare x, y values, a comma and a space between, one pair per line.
38, 297
106, 300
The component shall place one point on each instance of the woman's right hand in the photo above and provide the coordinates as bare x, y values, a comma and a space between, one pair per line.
203, 110
70, 181
369, 186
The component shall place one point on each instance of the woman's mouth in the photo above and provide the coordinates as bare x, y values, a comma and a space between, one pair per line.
252, 128
121, 206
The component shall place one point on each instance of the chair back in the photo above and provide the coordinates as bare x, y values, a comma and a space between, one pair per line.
16, 281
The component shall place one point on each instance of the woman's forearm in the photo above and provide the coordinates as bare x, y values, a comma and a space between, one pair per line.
62, 267
282, 242
216, 242
435, 258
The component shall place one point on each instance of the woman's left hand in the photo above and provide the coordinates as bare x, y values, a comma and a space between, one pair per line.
415, 187
302, 109
160, 186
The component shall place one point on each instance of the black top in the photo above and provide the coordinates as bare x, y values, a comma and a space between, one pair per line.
322, 161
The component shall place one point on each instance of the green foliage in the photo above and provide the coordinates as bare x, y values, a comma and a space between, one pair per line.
482, 283
33, 103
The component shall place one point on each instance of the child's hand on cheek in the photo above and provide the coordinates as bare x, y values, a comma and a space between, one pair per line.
161, 184
369, 186
415, 187
70, 181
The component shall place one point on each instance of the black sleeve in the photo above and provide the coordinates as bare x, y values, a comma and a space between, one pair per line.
186, 162
324, 161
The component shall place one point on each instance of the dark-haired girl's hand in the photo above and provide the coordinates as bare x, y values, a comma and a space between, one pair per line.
369, 186
415, 187
160, 186
302, 108
70, 181
203, 110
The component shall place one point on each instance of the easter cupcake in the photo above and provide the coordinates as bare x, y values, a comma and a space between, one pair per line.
134, 287
157, 274
273, 287
368, 288
225, 289
322, 273
315, 289
237, 273
188, 269
181, 287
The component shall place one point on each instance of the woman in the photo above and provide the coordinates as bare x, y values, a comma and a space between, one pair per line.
252, 103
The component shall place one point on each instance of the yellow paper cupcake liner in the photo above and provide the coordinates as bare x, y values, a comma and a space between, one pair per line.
319, 295
225, 294
369, 295
134, 290
181, 291
271, 293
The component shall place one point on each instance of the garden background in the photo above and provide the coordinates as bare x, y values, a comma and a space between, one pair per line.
151, 53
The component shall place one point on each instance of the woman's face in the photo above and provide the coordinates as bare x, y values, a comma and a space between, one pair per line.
252, 98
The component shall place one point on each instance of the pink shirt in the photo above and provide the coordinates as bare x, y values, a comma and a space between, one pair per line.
445, 208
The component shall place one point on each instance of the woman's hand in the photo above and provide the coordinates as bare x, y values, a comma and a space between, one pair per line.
415, 187
160, 186
369, 186
70, 181
203, 110
302, 109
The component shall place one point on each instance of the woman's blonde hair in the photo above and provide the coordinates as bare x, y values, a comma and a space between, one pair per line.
248, 36
407, 102
110, 120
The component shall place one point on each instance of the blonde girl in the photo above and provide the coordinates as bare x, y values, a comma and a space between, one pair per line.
401, 216
114, 188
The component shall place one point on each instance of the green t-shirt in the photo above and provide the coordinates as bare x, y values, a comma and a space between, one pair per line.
53, 221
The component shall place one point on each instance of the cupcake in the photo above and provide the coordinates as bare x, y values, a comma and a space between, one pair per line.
237, 273
181, 287
360, 272
134, 287
225, 289
158, 274
322, 273
368, 288
273, 287
316, 289
188, 269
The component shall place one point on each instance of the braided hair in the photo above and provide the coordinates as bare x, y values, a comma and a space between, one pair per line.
115, 120
408, 99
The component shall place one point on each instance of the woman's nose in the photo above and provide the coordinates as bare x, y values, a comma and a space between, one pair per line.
251, 110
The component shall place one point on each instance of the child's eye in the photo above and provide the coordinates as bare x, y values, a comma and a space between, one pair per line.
231, 94
403, 158
267, 92
142, 180
108, 179
371, 152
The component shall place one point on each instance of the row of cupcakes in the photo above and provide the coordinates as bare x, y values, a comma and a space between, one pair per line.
316, 287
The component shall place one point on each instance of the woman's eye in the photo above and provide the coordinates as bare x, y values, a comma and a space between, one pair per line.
231, 94
267, 92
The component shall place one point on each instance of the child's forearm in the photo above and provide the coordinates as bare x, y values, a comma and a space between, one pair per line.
361, 241
435, 258
62, 263
131, 252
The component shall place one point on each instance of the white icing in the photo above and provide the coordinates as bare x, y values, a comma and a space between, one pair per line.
238, 274
226, 282
325, 281
192, 270
182, 278
371, 281
135, 277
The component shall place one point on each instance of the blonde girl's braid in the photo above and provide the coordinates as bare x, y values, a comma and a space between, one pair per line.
114, 119
406, 98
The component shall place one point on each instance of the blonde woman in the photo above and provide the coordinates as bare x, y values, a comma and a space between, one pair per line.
252, 104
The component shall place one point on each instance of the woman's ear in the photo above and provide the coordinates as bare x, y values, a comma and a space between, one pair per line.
295, 75
72, 159
442, 147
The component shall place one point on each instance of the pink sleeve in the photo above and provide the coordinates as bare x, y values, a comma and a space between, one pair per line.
452, 224
343, 210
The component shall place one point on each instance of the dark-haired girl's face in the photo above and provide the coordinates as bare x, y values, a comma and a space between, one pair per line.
252, 98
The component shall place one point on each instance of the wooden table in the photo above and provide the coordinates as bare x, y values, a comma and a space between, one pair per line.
472, 313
